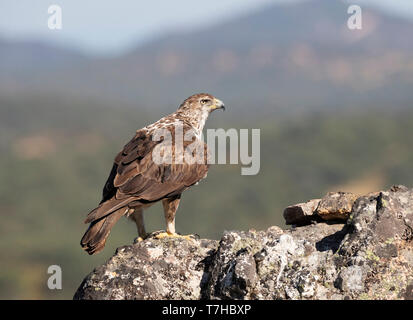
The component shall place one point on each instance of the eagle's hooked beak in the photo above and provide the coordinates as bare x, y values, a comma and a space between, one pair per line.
218, 104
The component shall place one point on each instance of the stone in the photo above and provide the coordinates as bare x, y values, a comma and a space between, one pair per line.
302, 213
152, 269
336, 206
351, 279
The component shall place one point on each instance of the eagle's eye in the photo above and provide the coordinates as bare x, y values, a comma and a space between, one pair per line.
204, 101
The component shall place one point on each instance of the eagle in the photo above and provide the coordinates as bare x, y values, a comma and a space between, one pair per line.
138, 179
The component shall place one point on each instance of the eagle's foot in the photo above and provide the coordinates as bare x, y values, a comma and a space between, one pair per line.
141, 238
163, 235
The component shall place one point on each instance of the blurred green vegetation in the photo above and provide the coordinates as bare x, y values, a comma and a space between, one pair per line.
56, 155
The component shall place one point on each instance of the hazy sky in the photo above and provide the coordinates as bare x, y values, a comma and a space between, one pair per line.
113, 26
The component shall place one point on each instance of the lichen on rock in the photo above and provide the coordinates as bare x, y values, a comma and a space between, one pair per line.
367, 256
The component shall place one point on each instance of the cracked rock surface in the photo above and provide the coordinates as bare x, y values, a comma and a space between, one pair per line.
369, 256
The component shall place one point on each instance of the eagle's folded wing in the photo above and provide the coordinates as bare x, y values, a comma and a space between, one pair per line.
135, 175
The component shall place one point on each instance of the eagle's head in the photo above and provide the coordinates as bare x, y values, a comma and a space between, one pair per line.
197, 108
201, 102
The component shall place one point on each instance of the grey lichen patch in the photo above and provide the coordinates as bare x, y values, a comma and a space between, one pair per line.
351, 279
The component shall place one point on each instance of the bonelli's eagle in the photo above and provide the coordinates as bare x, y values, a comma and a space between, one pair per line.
138, 179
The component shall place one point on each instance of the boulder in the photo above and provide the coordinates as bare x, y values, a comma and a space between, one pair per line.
368, 256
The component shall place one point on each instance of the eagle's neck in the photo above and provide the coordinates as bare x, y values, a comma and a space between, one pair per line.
196, 119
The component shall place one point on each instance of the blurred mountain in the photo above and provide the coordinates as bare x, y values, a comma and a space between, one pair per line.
23, 57
280, 58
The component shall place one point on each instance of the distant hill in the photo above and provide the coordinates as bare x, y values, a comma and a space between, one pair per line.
28, 58
282, 57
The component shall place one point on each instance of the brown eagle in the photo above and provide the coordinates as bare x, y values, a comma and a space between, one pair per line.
137, 181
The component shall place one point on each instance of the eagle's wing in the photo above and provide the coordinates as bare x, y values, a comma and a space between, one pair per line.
135, 176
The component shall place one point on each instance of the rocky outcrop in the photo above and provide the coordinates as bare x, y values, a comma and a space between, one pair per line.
334, 206
368, 256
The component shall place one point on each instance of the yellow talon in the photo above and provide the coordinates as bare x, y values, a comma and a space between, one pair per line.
172, 235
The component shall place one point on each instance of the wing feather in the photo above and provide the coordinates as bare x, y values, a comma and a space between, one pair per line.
136, 177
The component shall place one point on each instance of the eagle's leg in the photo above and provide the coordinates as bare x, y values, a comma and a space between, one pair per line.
170, 206
137, 216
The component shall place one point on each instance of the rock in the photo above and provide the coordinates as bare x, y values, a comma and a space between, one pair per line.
336, 205
152, 269
408, 294
370, 256
302, 213
379, 240
351, 279
333, 206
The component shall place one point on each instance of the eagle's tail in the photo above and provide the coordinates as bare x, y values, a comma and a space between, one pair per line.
94, 239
